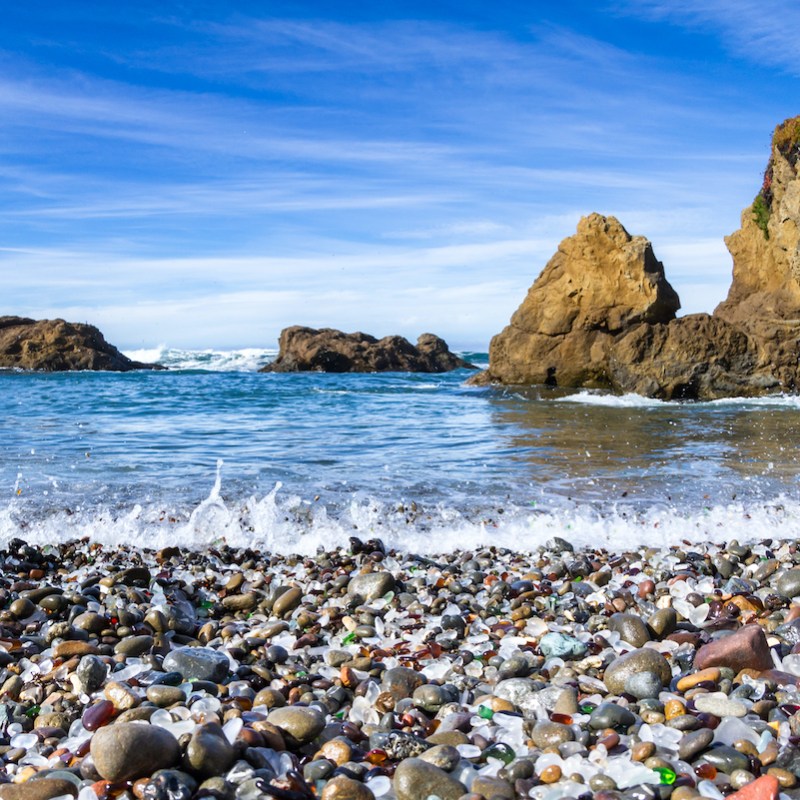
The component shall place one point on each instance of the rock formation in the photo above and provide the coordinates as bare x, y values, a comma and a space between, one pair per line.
53, 345
764, 298
328, 350
602, 315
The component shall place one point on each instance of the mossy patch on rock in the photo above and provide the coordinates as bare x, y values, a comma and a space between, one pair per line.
761, 212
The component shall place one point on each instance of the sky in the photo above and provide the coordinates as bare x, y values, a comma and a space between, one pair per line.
203, 174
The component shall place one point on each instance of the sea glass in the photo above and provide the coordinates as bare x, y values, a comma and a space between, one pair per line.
500, 751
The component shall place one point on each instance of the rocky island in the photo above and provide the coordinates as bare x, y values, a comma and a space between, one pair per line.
328, 350
603, 315
53, 345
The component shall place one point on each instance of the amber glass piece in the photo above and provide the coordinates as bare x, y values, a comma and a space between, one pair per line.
377, 756
706, 771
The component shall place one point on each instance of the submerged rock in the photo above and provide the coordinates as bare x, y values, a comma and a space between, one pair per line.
328, 350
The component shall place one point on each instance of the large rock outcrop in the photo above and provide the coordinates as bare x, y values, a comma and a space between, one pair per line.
53, 345
602, 314
764, 298
328, 350
600, 283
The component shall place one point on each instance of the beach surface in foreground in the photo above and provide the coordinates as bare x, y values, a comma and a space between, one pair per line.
363, 673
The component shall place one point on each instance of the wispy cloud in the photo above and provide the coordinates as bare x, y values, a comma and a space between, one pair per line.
240, 170
763, 31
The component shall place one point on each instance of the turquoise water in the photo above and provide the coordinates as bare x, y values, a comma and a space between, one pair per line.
295, 461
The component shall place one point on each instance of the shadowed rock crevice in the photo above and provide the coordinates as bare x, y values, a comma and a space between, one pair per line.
602, 313
328, 350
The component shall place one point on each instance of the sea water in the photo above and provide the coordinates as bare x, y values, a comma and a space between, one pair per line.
213, 451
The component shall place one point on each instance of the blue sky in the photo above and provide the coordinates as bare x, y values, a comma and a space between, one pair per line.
203, 174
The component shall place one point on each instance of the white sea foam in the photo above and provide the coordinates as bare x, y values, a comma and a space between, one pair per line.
598, 398
611, 400
147, 355
284, 523
247, 359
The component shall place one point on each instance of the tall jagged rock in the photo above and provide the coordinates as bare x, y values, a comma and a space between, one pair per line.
53, 345
602, 314
602, 281
764, 298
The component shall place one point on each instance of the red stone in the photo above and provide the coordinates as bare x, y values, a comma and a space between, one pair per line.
97, 715
764, 788
746, 648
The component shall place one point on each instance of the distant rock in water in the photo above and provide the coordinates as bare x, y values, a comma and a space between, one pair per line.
328, 350
602, 314
53, 345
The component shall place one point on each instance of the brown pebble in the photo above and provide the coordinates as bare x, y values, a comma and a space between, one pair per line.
641, 751
336, 750
646, 587
674, 708
341, 787
770, 753
348, 678
610, 740
786, 779
684, 793
745, 746
121, 695
71, 648
688, 681
551, 774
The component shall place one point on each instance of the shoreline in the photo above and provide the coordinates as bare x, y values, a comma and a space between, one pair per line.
368, 673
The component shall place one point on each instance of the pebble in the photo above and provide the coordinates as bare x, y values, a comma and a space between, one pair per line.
343, 788
764, 788
551, 734
712, 674
745, 648
44, 789
631, 628
788, 584
198, 663
636, 661
726, 759
720, 705
372, 585
362, 672
126, 751
415, 779
302, 724
208, 752
644, 685
610, 715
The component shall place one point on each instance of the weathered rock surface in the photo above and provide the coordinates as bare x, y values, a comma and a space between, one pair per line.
53, 345
328, 350
602, 314
600, 283
764, 298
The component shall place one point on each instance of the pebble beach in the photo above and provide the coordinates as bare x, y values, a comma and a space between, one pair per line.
365, 673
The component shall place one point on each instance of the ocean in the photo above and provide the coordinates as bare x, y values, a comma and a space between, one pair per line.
214, 452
